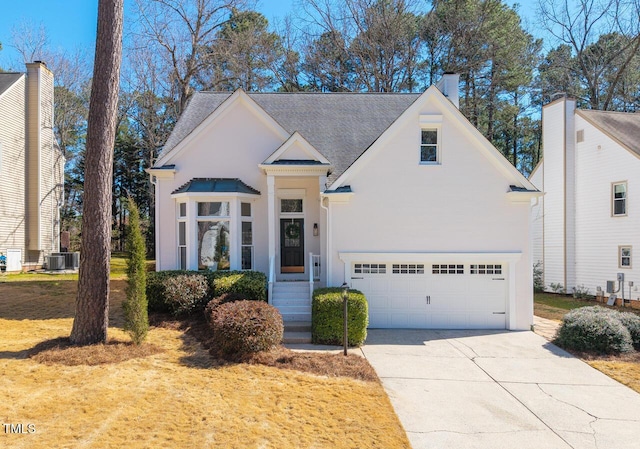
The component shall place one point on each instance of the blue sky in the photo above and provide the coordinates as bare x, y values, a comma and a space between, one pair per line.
71, 24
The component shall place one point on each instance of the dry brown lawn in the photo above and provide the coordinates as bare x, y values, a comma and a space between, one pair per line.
170, 394
624, 368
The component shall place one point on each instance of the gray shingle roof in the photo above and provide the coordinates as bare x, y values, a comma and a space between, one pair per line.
7, 80
218, 185
341, 126
621, 126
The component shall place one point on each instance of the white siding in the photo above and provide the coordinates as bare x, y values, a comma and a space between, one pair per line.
537, 217
12, 196
601, 161
459, 206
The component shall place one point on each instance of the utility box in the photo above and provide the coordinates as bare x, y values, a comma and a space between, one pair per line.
611, 286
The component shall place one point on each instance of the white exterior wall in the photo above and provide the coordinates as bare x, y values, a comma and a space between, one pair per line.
556, 133
12, 167
601, 161
537, 217
460, 206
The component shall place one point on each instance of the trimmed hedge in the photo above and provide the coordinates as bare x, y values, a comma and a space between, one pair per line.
632, 322
185, 294
596, 329
326, 317
243, 327
251, 284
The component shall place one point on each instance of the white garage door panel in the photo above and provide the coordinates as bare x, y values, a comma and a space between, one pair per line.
434, 301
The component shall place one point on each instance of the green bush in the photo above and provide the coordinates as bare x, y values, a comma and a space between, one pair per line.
252, 284
632, 322
327, 317
243, 327
186, 293
156, 288
595, 329
136, 318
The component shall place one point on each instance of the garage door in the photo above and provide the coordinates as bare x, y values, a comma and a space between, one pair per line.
433, 296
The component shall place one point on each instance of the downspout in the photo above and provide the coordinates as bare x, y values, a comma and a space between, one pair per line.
328, 227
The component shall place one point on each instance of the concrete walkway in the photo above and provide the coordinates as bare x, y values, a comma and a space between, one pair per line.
500, 389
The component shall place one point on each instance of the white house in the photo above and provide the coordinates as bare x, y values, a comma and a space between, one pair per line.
31, 168
587, 226
397, 195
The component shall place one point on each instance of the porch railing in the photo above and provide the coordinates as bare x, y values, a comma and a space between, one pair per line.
272, 278
314, 272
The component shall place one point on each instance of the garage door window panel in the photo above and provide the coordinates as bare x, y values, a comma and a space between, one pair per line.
447, 269
486, 269
408, 269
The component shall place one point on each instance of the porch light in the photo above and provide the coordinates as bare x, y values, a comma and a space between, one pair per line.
345, 296
315, 230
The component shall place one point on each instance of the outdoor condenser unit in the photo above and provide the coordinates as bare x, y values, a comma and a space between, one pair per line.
55, 263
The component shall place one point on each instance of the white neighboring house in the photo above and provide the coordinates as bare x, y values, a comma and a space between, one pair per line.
397, 195
587, 227
31, 169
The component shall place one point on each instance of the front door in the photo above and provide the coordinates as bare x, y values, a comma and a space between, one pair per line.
292, 245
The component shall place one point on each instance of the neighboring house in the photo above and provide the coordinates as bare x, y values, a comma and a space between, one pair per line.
397, 195
31, 168
587, 226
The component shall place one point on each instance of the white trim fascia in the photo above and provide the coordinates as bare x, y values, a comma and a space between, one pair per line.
216, 115
458, 119
295, 170
536, 168
337, 197
162, 173
296, 137
523, 197
214, 195
430, 256
22, 75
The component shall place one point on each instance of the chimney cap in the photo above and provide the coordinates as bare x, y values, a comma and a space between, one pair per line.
40, 62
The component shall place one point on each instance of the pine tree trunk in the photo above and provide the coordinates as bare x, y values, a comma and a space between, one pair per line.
92, 303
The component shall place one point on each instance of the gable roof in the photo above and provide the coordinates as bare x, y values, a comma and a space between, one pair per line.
623, 127
7, 80
341, 126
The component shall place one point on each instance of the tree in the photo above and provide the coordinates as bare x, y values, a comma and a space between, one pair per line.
92, 303
136, 319
604, 38
29, 40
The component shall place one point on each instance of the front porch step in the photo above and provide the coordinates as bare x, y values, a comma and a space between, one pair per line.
295, 316
298, 326
294, 338
291, 302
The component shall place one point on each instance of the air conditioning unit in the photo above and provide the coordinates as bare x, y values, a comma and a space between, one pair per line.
71, 260
55, 263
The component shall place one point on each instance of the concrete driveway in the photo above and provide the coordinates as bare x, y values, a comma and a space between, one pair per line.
500, 389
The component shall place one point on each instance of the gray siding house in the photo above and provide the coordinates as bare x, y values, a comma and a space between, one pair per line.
31, 169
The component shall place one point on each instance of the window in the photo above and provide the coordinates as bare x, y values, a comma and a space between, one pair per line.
486, 269
213, 209
182, 245
429, 146
619, 199
408, 268
447, 269
370, 268
624, 257
245, 209
182, 210
247, 245
288, 206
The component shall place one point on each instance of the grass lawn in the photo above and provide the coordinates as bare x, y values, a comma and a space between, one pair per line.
624, 368
172, 394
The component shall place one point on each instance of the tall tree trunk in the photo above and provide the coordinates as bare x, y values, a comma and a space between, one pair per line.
92, 303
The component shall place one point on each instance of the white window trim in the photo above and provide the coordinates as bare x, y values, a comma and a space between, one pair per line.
613, 199
431, 122
620, 248
247, 219
182, 219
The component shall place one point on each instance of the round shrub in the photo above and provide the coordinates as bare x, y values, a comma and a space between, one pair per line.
222, 299
632, 322
595, 329
243, 327
185, 293
327, 317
